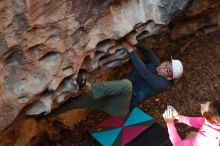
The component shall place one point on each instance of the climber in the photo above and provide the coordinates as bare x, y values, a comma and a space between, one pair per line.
208, 125
116, 97
150, 77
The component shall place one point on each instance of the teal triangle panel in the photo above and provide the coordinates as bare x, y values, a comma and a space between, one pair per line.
137, 116
107, 138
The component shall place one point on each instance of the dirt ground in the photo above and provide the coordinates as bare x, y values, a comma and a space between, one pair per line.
200, 83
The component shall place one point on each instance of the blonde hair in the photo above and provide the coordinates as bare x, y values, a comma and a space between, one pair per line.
213, 115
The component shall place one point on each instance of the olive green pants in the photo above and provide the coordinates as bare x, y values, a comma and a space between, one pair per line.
112, 97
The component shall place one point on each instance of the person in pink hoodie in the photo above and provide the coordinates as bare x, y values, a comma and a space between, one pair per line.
208, 125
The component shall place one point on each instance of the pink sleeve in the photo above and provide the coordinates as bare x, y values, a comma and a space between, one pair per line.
174, 136
196, 122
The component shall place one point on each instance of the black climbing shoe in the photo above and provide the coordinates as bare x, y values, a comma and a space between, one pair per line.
81, 78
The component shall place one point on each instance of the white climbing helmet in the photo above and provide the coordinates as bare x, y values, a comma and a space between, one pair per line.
177, 68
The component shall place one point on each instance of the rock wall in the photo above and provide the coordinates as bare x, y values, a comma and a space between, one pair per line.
44, 43
201, 17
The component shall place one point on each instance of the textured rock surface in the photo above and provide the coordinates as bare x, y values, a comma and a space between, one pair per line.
43, 22
44, 43
202, 16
